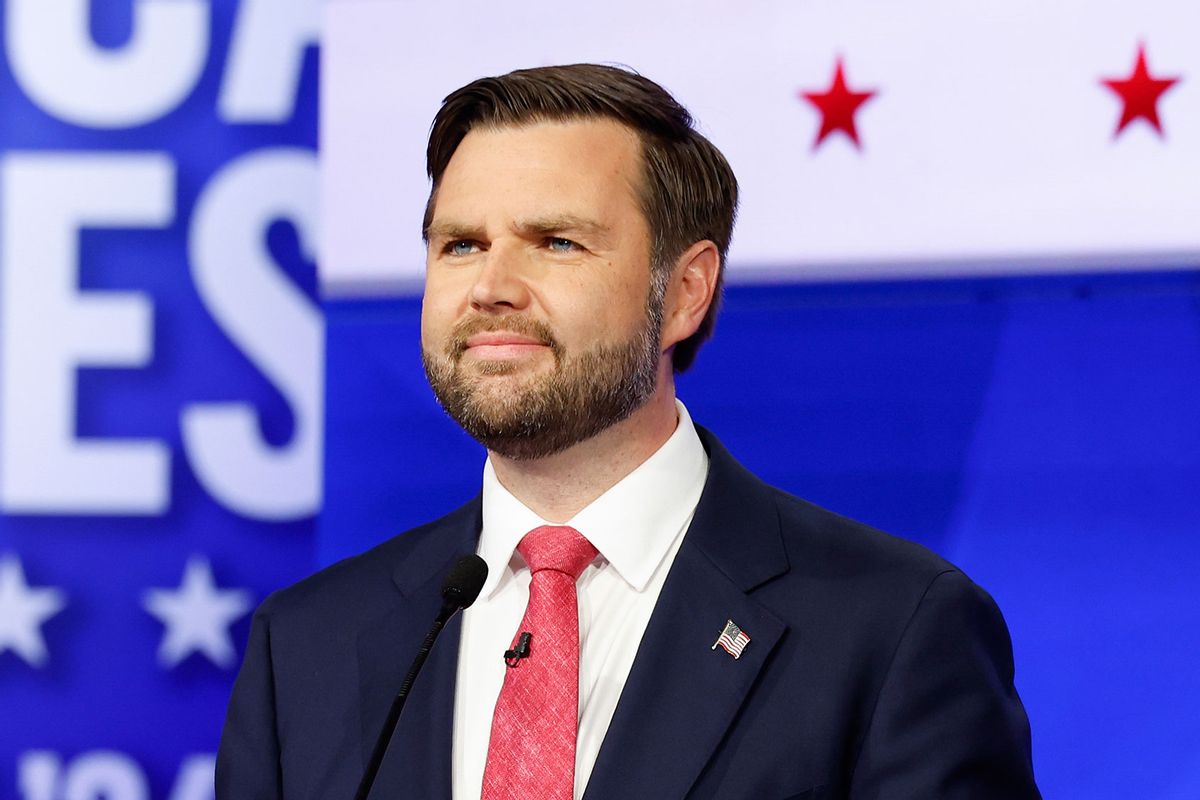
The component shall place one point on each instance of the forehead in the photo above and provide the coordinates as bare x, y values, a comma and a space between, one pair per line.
591, 166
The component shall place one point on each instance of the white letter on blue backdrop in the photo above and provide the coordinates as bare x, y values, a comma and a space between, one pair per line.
272, 322
97, 774
105, 775
48, 328
262, 73
59, 66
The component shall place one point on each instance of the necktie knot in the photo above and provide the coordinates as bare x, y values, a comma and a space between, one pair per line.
557, 547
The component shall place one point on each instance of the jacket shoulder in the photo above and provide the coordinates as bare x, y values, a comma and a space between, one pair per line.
355, 584
816, 543
821, 539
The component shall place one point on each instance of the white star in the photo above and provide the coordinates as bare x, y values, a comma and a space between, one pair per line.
197, 616
23, 610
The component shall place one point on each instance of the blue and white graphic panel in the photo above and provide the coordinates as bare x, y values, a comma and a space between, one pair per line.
161, 374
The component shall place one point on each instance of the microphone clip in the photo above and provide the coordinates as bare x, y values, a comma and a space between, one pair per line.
513, 657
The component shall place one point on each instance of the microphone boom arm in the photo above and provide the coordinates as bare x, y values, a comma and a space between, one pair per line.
459, 591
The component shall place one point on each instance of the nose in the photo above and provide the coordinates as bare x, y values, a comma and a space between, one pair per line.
501, 282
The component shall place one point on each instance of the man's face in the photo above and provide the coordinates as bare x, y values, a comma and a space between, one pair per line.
539, 328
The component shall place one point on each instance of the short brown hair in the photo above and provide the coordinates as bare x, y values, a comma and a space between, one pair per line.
688, 192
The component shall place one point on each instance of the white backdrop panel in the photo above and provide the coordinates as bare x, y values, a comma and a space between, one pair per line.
990, 144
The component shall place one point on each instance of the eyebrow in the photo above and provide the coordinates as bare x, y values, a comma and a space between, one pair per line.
452, 230
560, 223
529, 228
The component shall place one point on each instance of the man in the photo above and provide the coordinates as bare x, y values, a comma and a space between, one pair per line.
656, 623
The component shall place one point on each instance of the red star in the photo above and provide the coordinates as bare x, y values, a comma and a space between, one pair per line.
838, 105
1139, 92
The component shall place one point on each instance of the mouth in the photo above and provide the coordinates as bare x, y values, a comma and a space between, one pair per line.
502, 346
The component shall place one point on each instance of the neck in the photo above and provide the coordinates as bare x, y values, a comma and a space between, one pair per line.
558, 487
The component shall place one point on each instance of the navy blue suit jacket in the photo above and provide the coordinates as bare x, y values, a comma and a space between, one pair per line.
875, 670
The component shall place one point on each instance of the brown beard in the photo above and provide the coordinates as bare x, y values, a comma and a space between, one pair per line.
584, 394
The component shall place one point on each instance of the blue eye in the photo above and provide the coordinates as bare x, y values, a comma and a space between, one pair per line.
560, 245
461, 248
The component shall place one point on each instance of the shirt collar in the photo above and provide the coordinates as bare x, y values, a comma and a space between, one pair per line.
632, 524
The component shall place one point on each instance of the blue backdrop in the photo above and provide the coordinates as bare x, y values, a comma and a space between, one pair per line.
1042, 433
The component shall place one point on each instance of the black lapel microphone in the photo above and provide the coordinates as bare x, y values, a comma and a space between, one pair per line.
459, 590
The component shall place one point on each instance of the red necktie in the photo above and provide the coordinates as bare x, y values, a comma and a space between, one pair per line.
531, 753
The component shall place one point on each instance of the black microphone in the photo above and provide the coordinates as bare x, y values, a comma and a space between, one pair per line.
463, 583
459, 590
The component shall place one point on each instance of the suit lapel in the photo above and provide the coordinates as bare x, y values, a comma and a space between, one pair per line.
417, 763
679, 688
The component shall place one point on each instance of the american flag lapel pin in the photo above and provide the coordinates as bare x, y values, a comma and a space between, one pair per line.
733, 639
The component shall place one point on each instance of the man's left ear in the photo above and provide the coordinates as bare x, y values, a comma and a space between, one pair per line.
690, 292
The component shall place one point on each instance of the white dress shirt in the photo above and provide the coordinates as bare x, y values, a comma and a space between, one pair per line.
638, 526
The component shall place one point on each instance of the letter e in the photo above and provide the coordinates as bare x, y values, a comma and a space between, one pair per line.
48, 328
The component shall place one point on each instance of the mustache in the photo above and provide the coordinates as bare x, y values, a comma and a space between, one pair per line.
513, 323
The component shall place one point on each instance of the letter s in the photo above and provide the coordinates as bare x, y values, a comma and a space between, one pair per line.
273, 323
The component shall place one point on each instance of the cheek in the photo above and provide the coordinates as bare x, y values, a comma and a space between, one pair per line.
608, 318
436, 319
426, 328
630, 309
